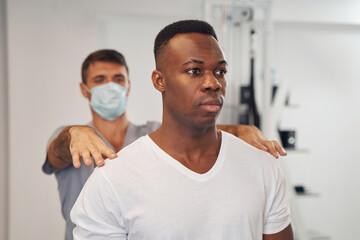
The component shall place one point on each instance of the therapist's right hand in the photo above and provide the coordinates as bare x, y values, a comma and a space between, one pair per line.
85, 143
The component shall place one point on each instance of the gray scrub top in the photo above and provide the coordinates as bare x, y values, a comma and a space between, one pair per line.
71, 180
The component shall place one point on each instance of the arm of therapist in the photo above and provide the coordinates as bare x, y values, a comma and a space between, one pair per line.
75, 142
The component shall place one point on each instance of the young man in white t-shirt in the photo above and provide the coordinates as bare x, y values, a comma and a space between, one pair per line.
186, 180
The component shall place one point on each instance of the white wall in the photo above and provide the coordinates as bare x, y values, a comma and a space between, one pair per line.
48, 39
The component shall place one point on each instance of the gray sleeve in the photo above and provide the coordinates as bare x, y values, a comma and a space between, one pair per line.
136, 131
70, 182
152, 126
47, 167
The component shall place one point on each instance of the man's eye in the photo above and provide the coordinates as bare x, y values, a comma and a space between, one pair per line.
99, 80
119, 79
194, 71
221, 72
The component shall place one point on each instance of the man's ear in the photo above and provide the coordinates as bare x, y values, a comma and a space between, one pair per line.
158, 80
84, 92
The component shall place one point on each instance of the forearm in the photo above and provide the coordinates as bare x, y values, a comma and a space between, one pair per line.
59, 155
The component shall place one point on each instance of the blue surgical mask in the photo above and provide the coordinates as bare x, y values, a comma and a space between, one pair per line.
108, 100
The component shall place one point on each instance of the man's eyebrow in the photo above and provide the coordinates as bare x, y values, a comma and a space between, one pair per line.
99, 76
193, 61
223, 62
201, 62
119, 75
103, 75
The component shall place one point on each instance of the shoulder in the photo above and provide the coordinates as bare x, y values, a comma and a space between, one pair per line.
237, 144
257, 162
242, 151
131, 156
136, 162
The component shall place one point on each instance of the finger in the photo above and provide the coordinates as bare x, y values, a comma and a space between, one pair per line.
76, 159
97, 156
279, 149
85, 154
260, 146
109, 153
271, 148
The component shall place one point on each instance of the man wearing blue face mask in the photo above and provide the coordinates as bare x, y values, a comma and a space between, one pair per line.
105, 83
108, 100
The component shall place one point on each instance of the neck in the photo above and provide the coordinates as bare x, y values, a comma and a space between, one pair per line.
192, 134
196, 148
114, 131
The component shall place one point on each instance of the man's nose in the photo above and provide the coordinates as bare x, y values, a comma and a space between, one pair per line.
211, 83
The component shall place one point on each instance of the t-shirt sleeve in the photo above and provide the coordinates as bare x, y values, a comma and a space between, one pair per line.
96, 212
277, 211
47, 167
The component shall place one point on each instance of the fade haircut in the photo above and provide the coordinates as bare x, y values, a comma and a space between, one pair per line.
184, 26
104, 55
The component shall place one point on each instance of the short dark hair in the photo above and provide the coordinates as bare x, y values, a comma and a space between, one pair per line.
184, 26
103, 55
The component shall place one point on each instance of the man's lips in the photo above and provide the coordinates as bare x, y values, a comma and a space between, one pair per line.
212, 105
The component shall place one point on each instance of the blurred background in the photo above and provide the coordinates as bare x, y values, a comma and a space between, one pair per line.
293, 69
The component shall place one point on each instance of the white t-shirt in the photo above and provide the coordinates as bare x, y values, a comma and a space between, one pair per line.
147, 194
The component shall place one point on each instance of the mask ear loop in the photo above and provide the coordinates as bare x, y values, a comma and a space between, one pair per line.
87, 89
